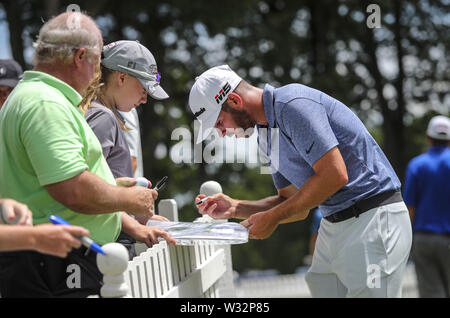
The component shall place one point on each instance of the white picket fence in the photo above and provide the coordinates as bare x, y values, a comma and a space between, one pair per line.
176, 272
199, 271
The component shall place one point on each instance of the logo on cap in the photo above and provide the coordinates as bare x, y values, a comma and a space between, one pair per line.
201, 111
441, 129
111, 45
153, 69
223, 92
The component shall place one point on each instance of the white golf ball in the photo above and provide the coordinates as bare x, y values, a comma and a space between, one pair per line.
210, 188
143, 182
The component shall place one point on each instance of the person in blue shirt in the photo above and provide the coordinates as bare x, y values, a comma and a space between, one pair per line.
314, 228
320, 154
426, 194
314, 233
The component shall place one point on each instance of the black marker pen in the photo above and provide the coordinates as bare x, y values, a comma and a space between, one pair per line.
161, 183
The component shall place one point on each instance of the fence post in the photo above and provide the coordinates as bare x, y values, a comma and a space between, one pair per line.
113, 265
168, 208
226, 283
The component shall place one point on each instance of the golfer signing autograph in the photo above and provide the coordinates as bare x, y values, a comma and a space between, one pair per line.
321, 154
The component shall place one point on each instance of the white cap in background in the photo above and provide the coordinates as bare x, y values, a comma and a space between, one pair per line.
439, 128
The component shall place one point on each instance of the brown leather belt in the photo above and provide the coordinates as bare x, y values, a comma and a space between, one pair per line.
365, 205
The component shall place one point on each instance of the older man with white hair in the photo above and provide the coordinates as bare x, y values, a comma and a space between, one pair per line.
51, 161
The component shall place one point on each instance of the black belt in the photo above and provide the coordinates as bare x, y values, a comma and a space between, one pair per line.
365, 205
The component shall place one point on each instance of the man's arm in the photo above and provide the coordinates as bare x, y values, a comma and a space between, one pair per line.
146, 234
246, 208
89, 194
330, 175
57, 240
221, 206
291, 204
411, 190
412, 212
133, 163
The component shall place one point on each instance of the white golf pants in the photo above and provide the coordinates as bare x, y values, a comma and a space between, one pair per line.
362, 257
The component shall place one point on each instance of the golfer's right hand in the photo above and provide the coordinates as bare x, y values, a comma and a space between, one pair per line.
218, 206
141, 201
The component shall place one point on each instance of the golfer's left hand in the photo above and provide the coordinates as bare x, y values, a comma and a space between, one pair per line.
261, 225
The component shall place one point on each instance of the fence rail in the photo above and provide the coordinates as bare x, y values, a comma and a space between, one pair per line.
176, 271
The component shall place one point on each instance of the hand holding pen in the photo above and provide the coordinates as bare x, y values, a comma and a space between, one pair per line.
144, 200
217, 206
86, 241
143, 182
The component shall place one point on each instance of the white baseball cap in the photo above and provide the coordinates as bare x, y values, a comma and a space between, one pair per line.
439, 128
133, 58
209, 92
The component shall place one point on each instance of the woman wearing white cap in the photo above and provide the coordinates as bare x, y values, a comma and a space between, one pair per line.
128, 73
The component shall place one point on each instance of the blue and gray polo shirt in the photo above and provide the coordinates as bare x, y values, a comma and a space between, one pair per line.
303, 125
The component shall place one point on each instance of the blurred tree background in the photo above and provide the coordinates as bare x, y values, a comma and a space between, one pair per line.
394, 77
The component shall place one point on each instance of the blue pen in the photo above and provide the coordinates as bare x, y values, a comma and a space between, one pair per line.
84, 239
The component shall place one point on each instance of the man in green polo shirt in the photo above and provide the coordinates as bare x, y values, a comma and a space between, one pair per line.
51, 161
45, 140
